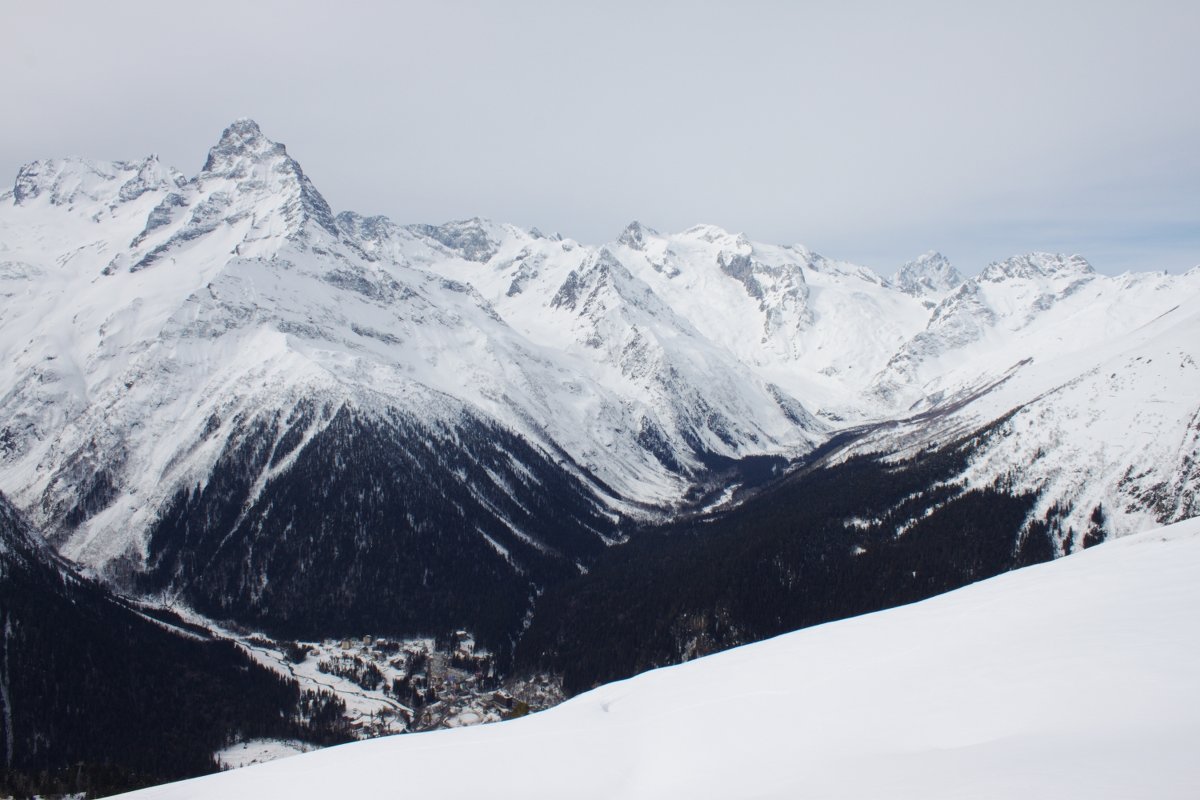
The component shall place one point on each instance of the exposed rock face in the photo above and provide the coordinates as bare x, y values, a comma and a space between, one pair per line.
929, 274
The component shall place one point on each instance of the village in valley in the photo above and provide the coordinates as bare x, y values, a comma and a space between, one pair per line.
370, 686
407, 685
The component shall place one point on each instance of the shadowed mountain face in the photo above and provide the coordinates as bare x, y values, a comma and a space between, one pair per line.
377, 523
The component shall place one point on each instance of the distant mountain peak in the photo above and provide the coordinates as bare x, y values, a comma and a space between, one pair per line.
928, 273
241, 143
1038, 265
711, 233
64, 181
474, 239
259, 165
634, 235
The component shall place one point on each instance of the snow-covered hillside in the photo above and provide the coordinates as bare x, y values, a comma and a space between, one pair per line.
1074, 679
1114, 426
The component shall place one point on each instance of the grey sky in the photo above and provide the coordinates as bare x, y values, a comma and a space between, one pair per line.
867, 131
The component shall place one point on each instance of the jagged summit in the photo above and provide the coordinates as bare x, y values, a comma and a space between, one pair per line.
241, 144
1032, 266
928, 273
475, 239
635, 234
261, 170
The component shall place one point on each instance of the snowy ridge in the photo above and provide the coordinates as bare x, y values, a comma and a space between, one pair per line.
979, 692
1039, 305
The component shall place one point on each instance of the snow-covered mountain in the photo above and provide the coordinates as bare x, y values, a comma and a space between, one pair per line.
1074, 679
1089, 419
216, 387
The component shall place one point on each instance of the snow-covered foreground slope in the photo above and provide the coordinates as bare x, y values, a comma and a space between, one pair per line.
1074, 679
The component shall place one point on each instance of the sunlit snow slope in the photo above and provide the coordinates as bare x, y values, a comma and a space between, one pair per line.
1074, 679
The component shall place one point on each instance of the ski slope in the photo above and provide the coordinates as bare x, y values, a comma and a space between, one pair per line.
1073, 679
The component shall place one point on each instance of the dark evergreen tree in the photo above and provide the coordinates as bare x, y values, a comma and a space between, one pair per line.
1096, 532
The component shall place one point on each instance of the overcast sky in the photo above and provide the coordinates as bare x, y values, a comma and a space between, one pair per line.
868, 131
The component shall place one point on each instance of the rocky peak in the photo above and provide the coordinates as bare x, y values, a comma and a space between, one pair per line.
38, 177
634, 235
929, 273
259, 166
374, 229
474, 239
1033, 266
151, 175
242, 145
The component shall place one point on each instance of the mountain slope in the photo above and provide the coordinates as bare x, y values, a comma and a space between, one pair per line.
1071, 679
1113, 426
832, 540
1038, 305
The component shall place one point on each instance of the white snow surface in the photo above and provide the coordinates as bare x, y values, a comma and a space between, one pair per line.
259, 751
1073, 679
